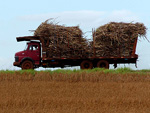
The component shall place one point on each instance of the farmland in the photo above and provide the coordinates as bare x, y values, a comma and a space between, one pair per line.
75, 91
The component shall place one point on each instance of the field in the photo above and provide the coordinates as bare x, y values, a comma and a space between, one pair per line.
76, 91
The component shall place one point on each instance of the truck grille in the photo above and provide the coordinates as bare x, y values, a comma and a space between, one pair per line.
16, 59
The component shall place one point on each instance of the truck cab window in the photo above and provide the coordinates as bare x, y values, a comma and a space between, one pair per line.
31, 48
35, 47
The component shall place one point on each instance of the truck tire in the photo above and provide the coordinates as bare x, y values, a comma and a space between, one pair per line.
86, 64
103, 64
27, 64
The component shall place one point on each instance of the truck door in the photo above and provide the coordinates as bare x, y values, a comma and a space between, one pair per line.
34, 52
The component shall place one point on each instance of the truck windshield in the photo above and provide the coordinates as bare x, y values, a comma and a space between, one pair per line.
26, 47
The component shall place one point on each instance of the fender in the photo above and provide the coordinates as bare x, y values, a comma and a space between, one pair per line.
27, 58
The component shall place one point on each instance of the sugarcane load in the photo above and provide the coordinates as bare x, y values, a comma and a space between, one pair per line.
56, 45
118, 39
61, 41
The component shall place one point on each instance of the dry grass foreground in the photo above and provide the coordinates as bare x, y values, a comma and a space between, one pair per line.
76, 92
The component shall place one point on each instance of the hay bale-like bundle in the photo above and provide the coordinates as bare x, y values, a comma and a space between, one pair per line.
61, 41
117, 39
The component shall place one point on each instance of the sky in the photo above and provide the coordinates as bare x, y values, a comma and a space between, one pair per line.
18, 17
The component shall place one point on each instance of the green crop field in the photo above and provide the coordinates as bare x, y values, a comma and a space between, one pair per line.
75, 91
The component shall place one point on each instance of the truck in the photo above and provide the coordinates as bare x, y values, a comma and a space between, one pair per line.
35, 56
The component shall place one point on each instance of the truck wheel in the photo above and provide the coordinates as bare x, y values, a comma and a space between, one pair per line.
27, 64
86, 65
103, 64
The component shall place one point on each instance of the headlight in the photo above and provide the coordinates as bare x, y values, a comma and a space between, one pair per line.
16, 59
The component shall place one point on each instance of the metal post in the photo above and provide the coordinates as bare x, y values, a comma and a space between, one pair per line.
93, 32
134, 47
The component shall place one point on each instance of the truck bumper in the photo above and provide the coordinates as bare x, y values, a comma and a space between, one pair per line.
16, 64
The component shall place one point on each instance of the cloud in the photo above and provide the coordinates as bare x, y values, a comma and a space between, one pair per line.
6, 63
86, 19
65, 16
123, 15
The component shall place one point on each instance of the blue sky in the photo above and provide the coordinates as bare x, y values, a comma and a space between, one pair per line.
18, 17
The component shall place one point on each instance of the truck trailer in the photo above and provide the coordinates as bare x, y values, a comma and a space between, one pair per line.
35, 56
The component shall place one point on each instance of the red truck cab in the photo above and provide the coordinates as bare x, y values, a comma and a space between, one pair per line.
30, 58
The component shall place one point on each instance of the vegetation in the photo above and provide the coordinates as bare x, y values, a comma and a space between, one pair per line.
68, 71
75, 91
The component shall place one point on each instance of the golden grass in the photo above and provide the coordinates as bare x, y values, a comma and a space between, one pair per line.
94, 92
